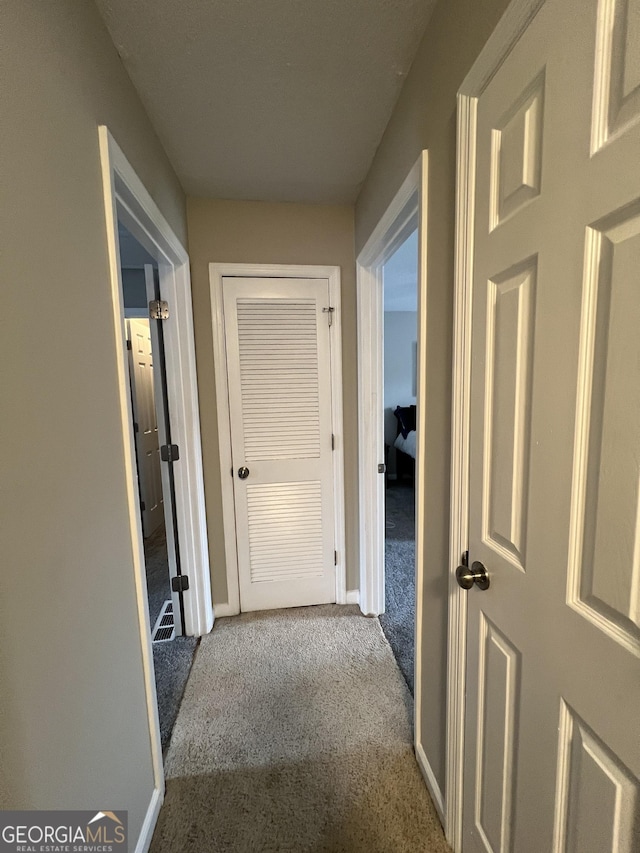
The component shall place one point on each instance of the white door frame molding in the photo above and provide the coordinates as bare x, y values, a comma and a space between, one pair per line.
218, 271
406, 213
127, 200
510, 28
401, 218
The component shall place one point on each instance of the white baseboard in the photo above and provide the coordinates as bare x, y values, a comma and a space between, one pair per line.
146, 833
224, 609
430, 780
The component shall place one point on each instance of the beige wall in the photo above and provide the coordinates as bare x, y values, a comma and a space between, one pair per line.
263, 233
425, 117
73, 719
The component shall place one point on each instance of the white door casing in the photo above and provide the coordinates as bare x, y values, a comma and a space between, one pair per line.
279, 400
146, 424
406, 213
552, 754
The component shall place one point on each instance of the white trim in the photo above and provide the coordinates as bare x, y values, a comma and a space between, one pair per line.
370, 438
420, 477
226, 609
217, 272
126, 199
430, 780
353, 596
408, 211
458, 528
151, 818
400, 219
508, 31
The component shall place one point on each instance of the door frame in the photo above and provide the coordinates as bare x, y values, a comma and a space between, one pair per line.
218, 271
407, 212
510, 28
127, 200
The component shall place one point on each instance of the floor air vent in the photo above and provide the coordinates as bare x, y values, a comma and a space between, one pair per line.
164, 629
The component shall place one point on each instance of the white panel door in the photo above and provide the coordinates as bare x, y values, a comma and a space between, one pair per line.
552, 746
146, 424
278, 362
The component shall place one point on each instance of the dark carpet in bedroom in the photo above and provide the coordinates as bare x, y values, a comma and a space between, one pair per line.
400, 548
171, 661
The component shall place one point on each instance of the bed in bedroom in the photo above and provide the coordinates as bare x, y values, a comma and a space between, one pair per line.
405, 442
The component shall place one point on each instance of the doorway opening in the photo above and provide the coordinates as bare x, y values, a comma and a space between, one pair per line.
128, 203
400, 332
406, 214
173, 652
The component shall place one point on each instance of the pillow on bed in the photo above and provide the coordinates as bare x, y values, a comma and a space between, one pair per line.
406, 416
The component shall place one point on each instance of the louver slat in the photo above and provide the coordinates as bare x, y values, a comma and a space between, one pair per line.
279, 379
285, 546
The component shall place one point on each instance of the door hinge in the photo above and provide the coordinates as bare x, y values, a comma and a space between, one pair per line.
129, 343
169, 453
382, 468
136, 427
335, 558
180, 583
333, 441
143, 506
159, 310
329, 312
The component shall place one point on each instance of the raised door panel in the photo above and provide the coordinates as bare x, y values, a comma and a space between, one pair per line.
498, 715
598, 798
616, 87
604, 562
509, 350
516, 153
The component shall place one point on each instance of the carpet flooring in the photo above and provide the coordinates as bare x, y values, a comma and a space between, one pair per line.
400, 590
172, 660
294, 734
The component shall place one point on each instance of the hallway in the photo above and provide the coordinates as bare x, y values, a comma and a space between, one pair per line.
295, 733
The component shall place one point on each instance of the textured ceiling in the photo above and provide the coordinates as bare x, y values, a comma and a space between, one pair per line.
277, 100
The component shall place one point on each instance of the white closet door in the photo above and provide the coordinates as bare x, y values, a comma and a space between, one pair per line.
144, 413
278, 362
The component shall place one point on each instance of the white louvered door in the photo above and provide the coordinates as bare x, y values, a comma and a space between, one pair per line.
278, 363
